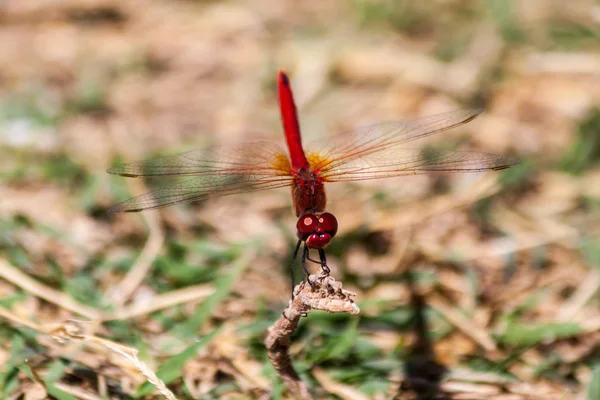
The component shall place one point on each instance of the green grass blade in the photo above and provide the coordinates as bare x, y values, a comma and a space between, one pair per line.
223, 287
594, 389
172, 368
517, 334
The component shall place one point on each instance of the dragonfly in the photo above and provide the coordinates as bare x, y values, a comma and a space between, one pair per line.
370, 152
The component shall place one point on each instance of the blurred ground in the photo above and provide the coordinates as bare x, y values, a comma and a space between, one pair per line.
471, 286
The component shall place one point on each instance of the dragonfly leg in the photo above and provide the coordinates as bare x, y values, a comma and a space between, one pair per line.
305, 253
323, 262
311, 260
294, 256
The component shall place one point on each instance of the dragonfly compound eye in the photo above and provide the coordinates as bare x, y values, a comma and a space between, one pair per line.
306, 226
323, 232
327, 224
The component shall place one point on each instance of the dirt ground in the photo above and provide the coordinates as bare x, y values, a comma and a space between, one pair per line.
470, 286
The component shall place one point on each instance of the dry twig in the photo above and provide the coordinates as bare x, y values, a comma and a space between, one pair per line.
325, 294
470, 329
585, 291
343, 391
38, 391
187, 294
18, 278
124, 289
71, 330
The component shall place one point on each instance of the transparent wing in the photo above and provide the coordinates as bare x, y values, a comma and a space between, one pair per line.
257, 158
220, 172
346, 147
201, 188
397, 162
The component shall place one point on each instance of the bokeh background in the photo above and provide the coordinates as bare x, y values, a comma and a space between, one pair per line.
473, 286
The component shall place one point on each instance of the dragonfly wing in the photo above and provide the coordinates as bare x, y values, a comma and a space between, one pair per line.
258, 158
201, 188
397, 162
348, 146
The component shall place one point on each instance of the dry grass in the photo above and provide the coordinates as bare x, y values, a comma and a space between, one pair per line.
470, 286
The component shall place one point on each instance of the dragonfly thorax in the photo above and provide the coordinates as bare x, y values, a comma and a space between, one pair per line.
308, 193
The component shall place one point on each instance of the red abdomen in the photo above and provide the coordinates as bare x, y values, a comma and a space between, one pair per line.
291, 127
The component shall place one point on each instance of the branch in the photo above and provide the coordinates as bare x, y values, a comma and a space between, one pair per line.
325, 294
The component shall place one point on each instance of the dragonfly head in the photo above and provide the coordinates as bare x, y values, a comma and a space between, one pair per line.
316, 230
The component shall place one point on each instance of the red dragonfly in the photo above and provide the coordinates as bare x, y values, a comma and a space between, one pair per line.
371, 152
